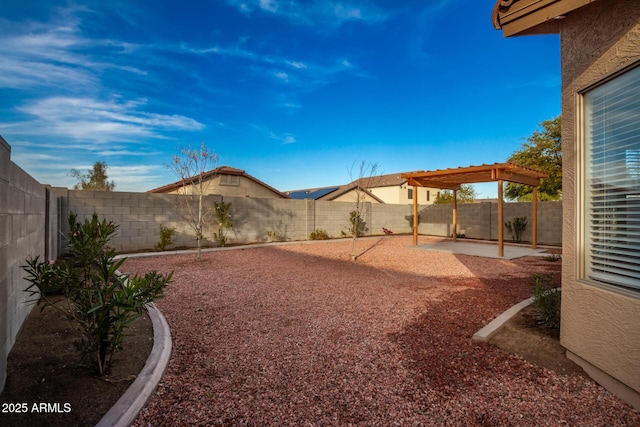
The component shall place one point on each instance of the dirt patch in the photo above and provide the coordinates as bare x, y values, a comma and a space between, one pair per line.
522, 335
50, 385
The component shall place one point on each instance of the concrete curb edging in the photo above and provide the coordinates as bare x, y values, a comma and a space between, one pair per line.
485, 334
127, 408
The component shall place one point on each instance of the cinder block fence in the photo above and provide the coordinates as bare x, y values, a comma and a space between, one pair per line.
33, 222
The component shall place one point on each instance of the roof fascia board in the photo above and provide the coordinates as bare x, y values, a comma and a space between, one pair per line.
524, 15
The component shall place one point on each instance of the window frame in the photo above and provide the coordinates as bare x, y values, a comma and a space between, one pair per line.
229, 180
581, 170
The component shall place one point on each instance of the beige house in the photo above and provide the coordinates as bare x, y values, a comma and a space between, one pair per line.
225, 181
600, 57
391, 189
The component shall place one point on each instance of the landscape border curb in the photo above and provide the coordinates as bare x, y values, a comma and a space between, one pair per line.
127, 408
485, 334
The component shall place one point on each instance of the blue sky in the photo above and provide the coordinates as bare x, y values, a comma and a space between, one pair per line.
293, 92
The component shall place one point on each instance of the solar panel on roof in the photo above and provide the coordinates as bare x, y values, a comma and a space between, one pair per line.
312, 194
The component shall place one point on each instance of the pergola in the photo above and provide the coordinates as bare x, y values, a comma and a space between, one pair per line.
452, 179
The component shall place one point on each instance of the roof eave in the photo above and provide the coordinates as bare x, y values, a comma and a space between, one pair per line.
524, 17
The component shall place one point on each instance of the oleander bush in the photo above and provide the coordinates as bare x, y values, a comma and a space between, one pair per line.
101, 300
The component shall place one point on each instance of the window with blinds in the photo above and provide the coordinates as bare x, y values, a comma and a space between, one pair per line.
612, 181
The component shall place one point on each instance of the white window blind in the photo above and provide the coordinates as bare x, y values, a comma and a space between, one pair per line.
612, 181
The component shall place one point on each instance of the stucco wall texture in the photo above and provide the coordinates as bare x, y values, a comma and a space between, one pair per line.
600, 324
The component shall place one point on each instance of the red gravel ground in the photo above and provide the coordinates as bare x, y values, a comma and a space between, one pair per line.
299, 335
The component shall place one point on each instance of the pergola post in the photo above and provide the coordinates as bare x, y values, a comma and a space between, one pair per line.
415, 216
534, 215
500, 220
455, 214
454, 178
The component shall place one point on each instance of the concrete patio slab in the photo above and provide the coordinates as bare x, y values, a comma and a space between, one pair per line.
485, 249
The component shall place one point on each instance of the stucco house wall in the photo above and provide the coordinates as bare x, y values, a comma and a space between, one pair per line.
400, 194
244, 187
600, 325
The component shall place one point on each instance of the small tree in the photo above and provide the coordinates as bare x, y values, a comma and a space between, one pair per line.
95, 179
542, 151
466, 194
367, 178
191, 167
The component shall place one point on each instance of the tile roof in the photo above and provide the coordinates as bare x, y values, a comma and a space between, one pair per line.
221, 170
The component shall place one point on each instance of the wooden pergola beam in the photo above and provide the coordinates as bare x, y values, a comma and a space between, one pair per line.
507, 175
452, 179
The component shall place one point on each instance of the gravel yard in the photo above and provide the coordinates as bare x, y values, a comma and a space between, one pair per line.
299, 335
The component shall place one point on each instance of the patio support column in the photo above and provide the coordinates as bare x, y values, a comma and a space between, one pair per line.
415, 216
500, 220
534, 215
455, 214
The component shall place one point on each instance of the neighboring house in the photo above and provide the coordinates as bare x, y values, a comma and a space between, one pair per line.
226, 181
389, 188
600, 57
392, 188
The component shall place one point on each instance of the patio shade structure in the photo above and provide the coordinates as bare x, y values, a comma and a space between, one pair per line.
453, 178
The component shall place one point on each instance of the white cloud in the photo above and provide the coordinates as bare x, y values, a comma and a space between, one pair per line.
328, 13
268, 5
99, 121
285, 138
281, 75
56, 55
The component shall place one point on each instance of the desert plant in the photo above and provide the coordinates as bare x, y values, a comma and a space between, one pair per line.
517, 227
357, 224
272, 236
223, 220
319, 234
166, 237
101, 300
552, 257
546, 300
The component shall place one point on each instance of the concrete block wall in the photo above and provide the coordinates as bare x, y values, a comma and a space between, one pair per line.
397, 218
480, 221
22, 235
253, 217
138, 215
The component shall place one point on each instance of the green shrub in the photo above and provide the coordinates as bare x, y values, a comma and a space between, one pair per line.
272, 236
223, 221
517, 227
547, 300
357, 224
102, 301
552, 257
166, 237
319, 234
